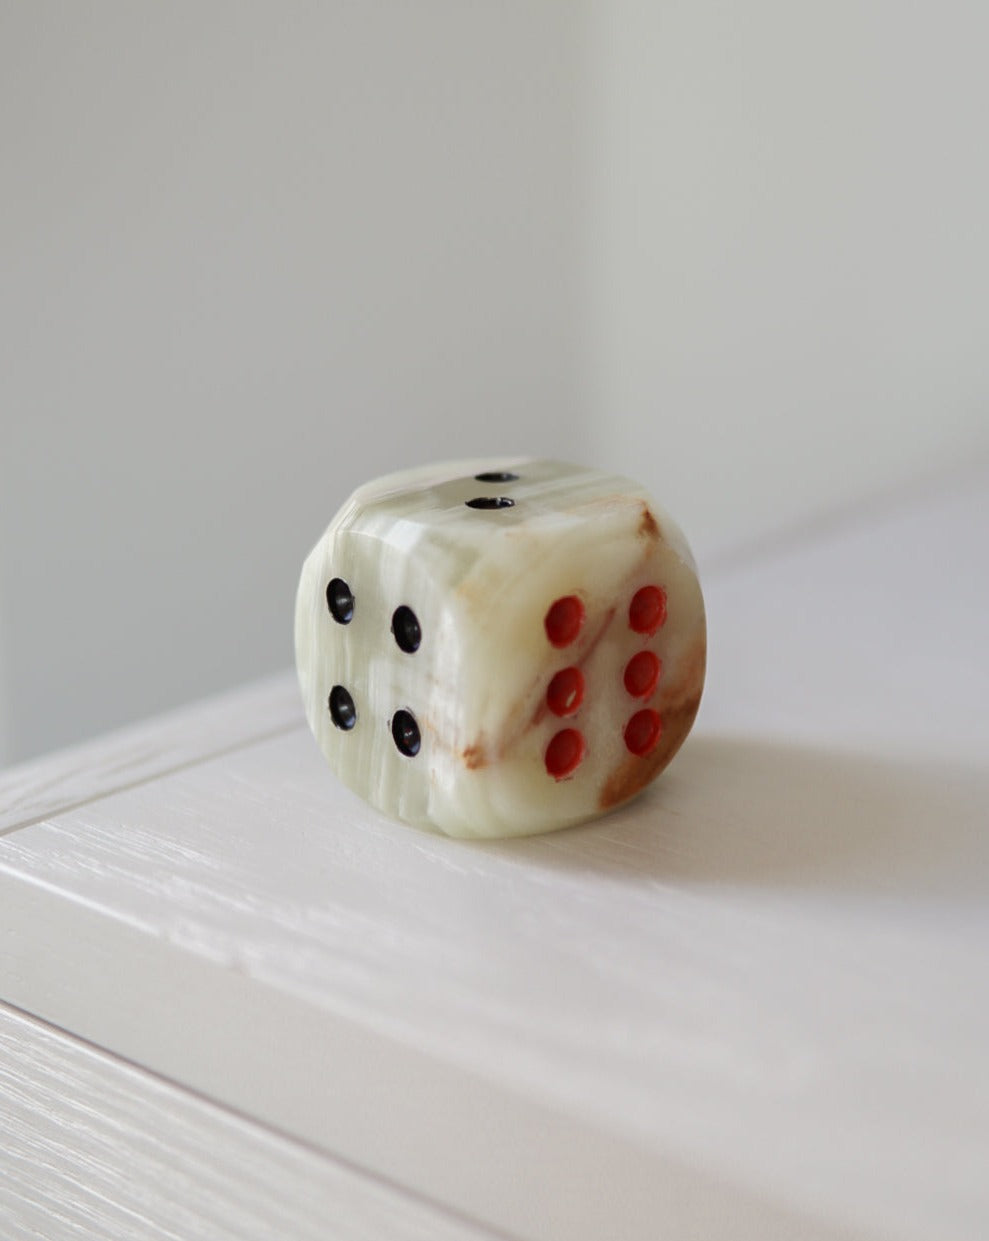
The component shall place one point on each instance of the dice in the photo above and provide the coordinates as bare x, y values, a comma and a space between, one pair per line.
497, 648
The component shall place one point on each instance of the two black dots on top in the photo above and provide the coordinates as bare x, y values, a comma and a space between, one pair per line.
408, 635
493, 476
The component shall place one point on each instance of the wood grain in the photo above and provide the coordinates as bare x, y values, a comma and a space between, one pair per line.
96, 1148
31, 791
728, 977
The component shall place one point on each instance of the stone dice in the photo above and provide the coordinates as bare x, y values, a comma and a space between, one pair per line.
496, 648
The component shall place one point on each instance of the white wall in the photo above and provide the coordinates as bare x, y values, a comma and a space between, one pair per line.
787, 255
252, 256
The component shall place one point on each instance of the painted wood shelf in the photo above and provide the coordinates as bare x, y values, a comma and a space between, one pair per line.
753, 1004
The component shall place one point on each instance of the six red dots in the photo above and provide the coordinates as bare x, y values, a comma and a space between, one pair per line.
565, 693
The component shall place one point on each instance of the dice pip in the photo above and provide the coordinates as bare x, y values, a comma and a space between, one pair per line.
497, 648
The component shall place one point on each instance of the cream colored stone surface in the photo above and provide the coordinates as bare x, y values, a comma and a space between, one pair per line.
481, 583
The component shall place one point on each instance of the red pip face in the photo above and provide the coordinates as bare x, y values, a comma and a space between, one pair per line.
637, 679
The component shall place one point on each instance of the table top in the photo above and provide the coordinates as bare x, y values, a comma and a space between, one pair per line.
753, 1003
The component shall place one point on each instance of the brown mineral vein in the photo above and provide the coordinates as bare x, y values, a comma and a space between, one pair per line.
677, 711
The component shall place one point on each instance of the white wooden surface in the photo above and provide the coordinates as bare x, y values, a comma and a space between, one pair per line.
752, 1005
93, 1147
137, 755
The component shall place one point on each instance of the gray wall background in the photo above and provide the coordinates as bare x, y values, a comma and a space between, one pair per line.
788, 250
251, 255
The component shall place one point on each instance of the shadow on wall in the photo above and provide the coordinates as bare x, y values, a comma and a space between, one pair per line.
744, 812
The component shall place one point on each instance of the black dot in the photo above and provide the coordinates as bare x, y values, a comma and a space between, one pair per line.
490, 502
405, 626
340, 601
342, 709
405, 731
496, 476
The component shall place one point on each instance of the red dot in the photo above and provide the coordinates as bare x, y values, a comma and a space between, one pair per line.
647, 611
563, 620
564, 753
642, 674
643, 731
566, 691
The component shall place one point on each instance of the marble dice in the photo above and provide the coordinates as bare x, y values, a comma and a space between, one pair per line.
497, 648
